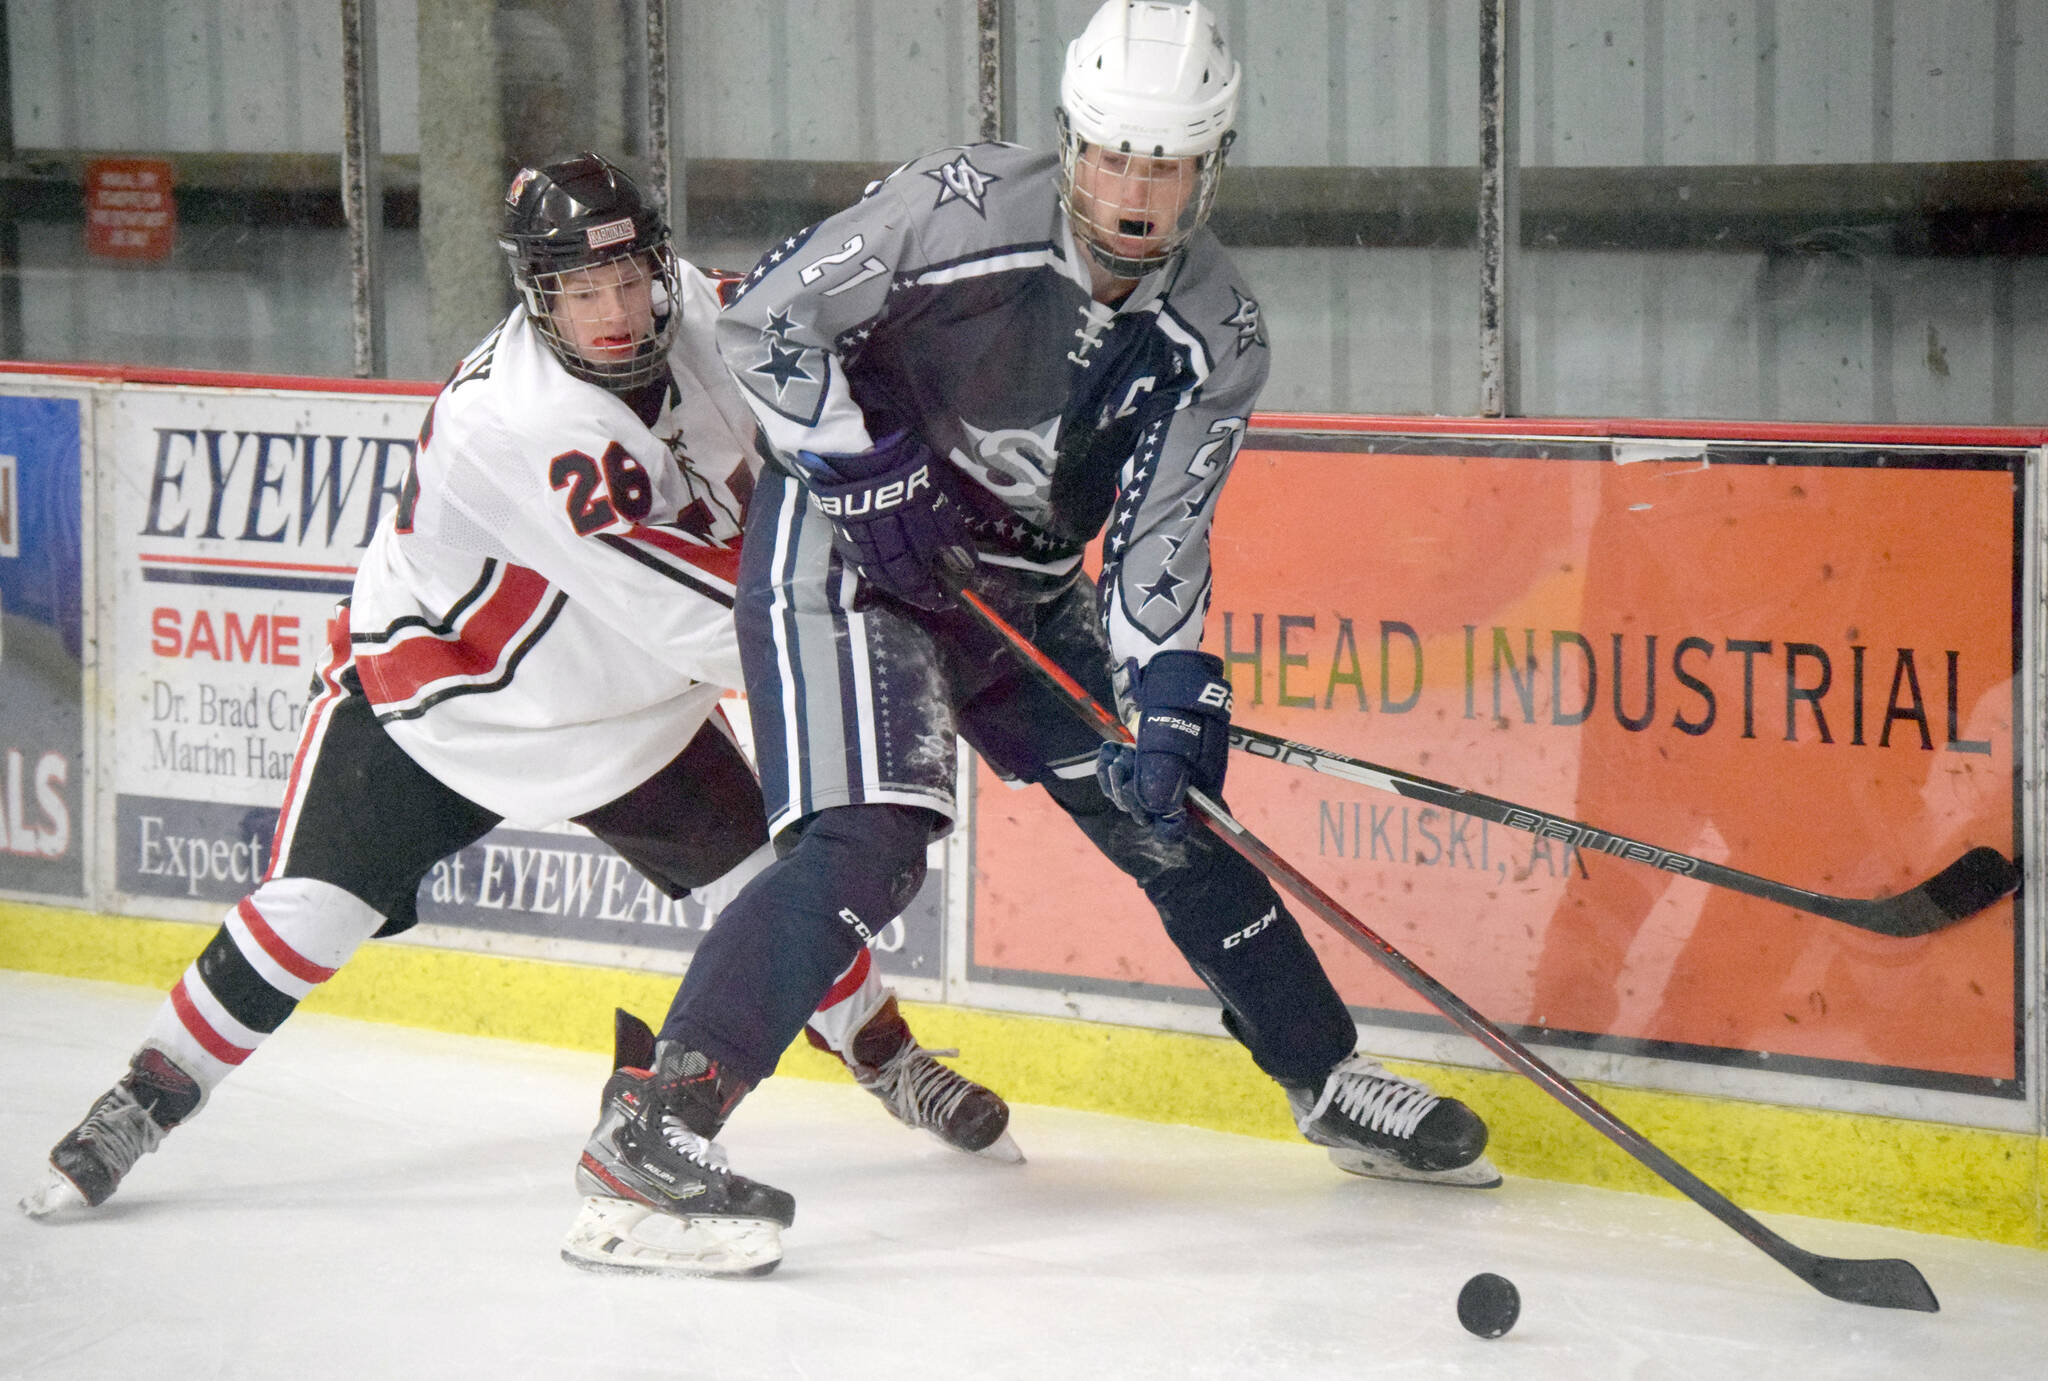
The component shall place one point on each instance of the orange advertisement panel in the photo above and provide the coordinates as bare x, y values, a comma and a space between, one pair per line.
1798, 661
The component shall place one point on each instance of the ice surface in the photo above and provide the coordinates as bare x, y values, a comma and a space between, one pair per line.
369, 1202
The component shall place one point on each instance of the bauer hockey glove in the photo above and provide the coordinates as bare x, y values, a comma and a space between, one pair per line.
1183, 740
891, 518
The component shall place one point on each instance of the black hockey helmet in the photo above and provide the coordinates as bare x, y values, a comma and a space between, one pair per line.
581, 213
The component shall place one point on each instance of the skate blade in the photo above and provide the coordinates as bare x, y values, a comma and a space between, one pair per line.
1480, 1174
54, 1195
618, 1235
1004, 1148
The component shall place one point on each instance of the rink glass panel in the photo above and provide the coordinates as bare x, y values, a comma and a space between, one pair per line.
1832, 633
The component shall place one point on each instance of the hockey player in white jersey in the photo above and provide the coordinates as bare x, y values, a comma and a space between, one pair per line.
541, 632
991, 359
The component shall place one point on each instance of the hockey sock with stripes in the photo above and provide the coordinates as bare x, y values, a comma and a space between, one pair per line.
854, 996
275, 947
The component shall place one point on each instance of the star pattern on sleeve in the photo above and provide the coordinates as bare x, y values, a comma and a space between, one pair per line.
784, 366
1164, 587
767, 262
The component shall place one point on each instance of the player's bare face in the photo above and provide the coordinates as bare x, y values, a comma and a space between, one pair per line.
1130, 205
605, 311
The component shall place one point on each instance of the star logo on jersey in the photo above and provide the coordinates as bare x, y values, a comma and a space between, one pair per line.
1250, 330
1014, 464
779, 325
962, 181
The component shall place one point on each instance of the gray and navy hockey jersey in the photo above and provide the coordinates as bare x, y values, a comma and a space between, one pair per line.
953, 299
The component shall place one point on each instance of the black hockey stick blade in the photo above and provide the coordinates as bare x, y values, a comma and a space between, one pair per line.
1888, 1283
1956, 893
1885, 1284
1968, 885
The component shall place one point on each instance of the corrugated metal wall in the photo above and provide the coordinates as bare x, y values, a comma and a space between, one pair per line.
1838, 326
1606, 83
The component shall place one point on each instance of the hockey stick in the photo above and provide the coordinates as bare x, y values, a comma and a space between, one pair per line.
1959, 891
1887, 1284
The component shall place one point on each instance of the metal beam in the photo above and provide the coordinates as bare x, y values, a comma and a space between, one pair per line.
1499, 208
362, 185
669, 183
996, 67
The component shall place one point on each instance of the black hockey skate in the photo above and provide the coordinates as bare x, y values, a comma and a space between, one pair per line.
1379, 1124
129, 1120
921, 1093
661, 1198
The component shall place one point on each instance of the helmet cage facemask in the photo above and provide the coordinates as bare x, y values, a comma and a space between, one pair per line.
540, 287
1097, 225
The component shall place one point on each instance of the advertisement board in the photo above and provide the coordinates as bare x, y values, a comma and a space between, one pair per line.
1797, 660
44, 793
240, 517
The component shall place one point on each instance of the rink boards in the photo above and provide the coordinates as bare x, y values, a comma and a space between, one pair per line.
1806, 652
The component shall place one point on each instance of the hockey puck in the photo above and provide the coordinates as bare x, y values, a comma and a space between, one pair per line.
1489, 1305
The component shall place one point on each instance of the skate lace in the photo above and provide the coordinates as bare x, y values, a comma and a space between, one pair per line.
1371, 1097
924, 1092
121, 1129
688, 1144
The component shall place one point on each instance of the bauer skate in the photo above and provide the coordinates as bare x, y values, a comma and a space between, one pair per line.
660, 1198
128, 1121
886, 1060
1387, 1127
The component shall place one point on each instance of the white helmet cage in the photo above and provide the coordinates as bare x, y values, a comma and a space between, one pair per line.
1155, 81
584, 215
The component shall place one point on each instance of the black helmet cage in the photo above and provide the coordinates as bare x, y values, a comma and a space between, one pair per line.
578, 214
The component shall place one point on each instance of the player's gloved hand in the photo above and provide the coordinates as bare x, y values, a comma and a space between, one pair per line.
892, 518
1183, 740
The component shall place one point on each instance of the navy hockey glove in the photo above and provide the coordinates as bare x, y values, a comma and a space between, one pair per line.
1183, 740
891, 518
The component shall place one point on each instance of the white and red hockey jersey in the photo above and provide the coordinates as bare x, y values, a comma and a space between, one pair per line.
547, 618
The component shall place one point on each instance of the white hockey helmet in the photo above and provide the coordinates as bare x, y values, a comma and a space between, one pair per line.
1152, 80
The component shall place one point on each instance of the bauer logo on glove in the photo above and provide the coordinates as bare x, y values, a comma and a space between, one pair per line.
865, 501
891, 518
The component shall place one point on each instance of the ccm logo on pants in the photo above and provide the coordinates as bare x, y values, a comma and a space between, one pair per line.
1233, 941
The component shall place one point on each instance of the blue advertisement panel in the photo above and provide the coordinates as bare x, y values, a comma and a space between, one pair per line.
42, 614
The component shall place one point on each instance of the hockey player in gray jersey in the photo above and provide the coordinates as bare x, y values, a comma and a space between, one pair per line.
991, 359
